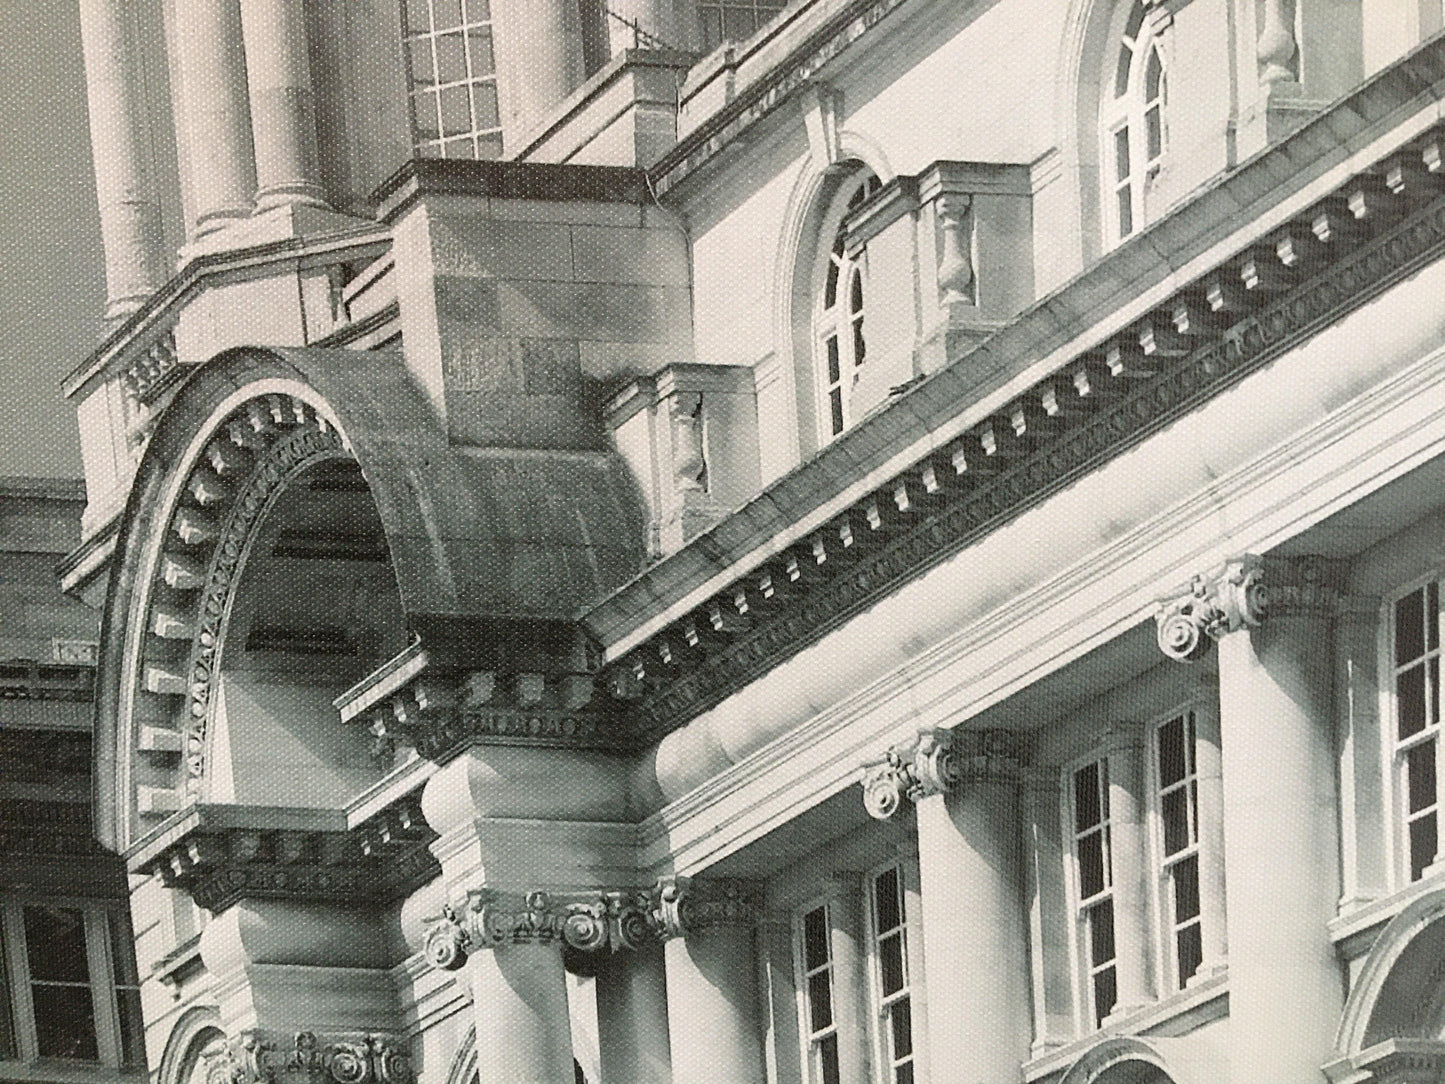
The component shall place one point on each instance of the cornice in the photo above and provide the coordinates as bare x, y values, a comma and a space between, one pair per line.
1344, 249
506, 179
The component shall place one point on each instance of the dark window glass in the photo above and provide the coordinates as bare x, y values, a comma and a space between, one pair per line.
1126, 212
479, 40
835, 369
820, 1000
835, 409
1420, 772
456, 111
418, 19
1173, 766
903, 1074
418, 52
489, 146
1121, 72
451, 59
830, 284
1153, 76
1174, 809
1121, 154
65, 1022
448, 13
1091, 864
1106, 992
901, 1016
1088, 809
484, 105
1185, 874
890, 964
1190, 950
1410, 627
1432, 618
425, 108
1422, 845
828, 1059
55, 945
479, 11
1101, 933
815, 938
860, 345
889, 908
1410, 695
738, 23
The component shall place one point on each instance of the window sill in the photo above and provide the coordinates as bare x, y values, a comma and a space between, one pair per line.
1355, 931
1176, 1014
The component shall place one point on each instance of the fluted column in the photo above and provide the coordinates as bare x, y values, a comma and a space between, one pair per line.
125, 187
712, 981
1272, 619
972, 881
539, 60
215, 111
283, 110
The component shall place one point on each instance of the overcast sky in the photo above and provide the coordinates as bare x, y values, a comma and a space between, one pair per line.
52, 279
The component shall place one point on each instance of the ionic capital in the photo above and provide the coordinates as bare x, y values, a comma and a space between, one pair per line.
303, 1057
937, 761
685, 905
609, 920
1240, 594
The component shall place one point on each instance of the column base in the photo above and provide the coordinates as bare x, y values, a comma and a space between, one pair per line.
290, 195
277, 224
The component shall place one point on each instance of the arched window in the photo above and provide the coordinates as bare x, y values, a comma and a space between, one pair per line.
1133, 125
838, 324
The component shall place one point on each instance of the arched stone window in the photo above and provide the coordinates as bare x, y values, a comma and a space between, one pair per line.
1133, 102
840, 340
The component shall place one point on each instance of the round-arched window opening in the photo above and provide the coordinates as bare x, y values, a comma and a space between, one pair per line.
839, 333
1133, 124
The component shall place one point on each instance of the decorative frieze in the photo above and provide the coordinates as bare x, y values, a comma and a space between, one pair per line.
263, 1057
602, 921
1240, 594
937, 761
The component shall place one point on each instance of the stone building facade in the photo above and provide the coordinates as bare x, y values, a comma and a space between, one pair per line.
851, 541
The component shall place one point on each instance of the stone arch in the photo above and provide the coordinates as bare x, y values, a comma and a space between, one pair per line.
1121, 1060
1400, 992
196, 1030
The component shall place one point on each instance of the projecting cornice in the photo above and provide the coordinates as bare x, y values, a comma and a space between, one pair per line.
753, 591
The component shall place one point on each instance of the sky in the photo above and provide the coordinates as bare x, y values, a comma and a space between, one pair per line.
52, 276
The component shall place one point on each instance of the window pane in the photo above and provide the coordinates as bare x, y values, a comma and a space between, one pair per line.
1190, 947
451, 59
1154, 133
1121, 72
55, 945
903, 1074
1091, 864
835, 408
1101, 933
901, 1014
479, 11
1172, 764
1422, 845
1420, 773
830, 284
425, 107
65, 1022
1153, 73
1087, 808
489, 146
1126, 211
815, 938
1410, 627
1106, 992
458, 148
890, 964
418, 58
1186, 889
484, 105
1121, 154
456, 111
739, 23
820, 1000
1174, 811
888, 908
1410, 696
418, 20
1432, 616
828, 1060
860, 345
448, 13
479, 39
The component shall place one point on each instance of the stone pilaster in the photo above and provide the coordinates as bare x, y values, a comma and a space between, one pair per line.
712, 979
120, 142
1279, 809
1124, 752
214, 112
972, 888
283, 111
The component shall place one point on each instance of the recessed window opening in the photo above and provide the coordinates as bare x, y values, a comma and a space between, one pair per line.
1177, 868
820, 1026
1094, 887
1415, 683
453, 76
840, 320
1132, 122
892, 983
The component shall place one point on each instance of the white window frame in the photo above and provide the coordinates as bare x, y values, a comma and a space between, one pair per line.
1396, 773
1167, 926
810, 1041
1128, 113
97, 916
1082, 967
839, 329
422, 94
880, 1005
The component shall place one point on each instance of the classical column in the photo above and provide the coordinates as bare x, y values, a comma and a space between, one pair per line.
1272, 619
283, 111
1362, 754
1124, 751
539, 60
215, 112
711, 980
120, 143
632, 1017
972, 881
520, 996
1048, 907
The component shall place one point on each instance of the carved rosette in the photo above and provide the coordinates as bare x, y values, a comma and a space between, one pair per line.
260, 1057
913, 770
1240, 594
